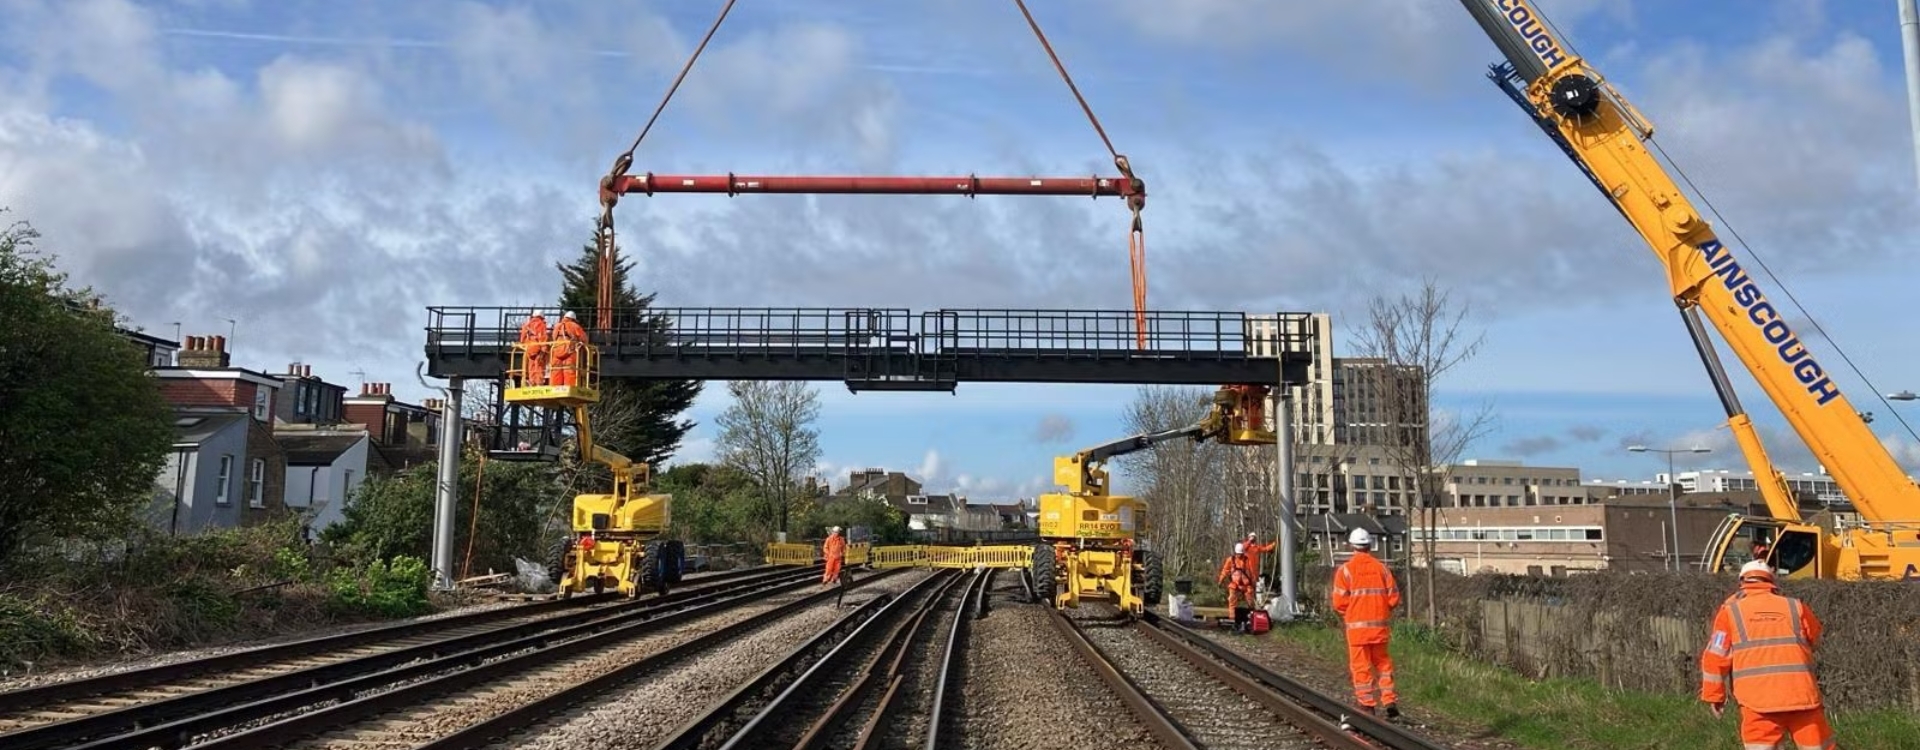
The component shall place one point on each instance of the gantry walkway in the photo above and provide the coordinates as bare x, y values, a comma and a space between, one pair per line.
879, 349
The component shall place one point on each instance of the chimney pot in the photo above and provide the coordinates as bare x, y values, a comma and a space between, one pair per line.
220, 343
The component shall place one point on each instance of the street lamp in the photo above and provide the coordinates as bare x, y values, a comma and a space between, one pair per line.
1673, 490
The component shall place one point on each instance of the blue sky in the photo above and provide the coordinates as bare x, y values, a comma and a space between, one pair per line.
321, 172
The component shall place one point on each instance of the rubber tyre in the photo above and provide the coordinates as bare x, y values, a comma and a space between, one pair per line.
1150, 579
557, 560
653, 568
676, 560
1044, 571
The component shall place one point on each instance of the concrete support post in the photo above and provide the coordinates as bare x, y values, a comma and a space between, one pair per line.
1283, 490
448, 484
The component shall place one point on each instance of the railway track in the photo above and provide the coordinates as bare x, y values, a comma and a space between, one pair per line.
1194, 693
894, 667
177, 705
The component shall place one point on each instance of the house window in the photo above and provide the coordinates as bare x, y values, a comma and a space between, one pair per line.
261, 403
300, 397
346, 484
256, 484
226, 480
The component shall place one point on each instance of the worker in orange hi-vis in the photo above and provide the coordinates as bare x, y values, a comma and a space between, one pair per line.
567, 338
1237, 573
533, 339
834, 549
1365, 595
1254, 550
1763, 642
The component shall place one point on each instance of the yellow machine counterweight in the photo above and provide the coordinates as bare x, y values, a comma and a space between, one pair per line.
617, 538
1092, 543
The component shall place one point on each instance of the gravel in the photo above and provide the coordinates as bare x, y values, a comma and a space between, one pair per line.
644, 714
445, 715
1216, 715
1329, 678
10, 681
1026, 688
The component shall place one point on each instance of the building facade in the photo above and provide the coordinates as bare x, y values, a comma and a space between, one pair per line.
1632, 534
1481, 483
225, 469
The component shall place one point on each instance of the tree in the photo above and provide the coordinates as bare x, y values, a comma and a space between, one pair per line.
711, 503
1183, 481
768, 433
393, 515
636, 418
1415, 339
85, 429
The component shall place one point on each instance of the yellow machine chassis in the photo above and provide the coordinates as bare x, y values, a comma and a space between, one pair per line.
623, 523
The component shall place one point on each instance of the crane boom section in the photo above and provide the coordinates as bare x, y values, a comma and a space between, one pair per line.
1605, 135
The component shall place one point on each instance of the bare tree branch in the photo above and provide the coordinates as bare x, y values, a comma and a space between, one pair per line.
1415, 339
1183, 482
768, 434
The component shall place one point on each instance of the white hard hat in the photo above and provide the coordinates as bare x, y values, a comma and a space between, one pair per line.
568, 314
533, 312
1360, 538
1239, 548
1756, 568
1250, 535
835, 529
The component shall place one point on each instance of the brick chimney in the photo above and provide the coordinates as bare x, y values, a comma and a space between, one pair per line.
205, 353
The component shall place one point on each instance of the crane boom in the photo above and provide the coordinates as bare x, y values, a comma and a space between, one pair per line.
1604, 135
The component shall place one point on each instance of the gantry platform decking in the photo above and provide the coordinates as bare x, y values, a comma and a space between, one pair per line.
900, 350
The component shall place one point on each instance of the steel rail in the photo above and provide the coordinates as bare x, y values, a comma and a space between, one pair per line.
894, 656
752, 734
70, 690
497, 729
87, 687
961, 619
1144, 707
695, 732
239, 704
1283, 694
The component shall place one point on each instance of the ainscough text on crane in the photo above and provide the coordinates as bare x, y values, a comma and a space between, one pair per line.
1525, 21
1762, 314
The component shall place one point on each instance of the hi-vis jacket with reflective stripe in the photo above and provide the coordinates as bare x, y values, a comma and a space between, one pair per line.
1237, 571
1364, 593
1764, 642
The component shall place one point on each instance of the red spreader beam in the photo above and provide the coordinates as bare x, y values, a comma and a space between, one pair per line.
968, 185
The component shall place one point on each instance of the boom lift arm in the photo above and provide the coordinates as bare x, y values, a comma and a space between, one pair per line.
1604, 135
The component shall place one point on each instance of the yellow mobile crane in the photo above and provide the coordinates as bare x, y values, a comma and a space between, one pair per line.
1089, 540
1607, 138
617, 536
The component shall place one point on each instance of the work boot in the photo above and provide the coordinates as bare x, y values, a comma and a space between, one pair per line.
1393, 711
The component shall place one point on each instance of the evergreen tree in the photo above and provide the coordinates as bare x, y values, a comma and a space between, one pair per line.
636, 418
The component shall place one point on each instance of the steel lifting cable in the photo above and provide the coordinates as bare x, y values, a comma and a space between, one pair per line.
1136, 236
608, 196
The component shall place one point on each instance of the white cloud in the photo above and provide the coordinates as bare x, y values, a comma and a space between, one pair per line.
351, 185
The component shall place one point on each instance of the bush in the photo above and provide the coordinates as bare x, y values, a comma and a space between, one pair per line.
397, 588
154, 592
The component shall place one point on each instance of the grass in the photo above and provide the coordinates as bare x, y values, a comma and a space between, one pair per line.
1575, 713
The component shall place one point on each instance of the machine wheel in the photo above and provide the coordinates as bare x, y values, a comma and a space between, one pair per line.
1043, 572
557, 557
676, 560
653, 568
1150, 578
